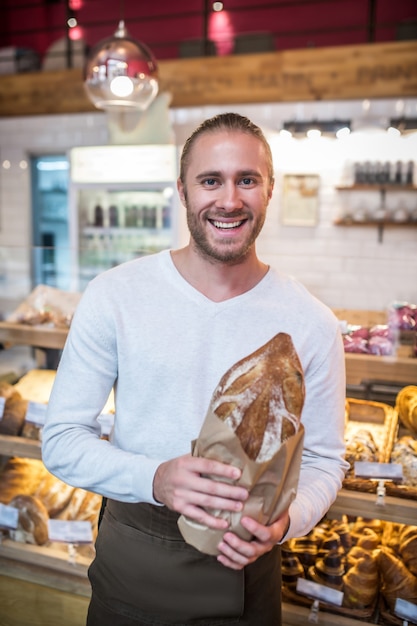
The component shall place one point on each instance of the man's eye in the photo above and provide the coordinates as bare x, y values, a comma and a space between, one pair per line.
210, 182
247, 181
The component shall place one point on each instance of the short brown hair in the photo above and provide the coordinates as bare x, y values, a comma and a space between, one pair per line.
225, 121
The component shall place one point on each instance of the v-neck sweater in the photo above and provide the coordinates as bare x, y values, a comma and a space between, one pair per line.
144, 330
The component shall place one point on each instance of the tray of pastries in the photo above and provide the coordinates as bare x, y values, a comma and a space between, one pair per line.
372, 562
372, 434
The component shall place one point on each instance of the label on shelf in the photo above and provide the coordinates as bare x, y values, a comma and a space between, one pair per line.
36, 413
9, 516
319, 592
406, 610
379, 471
65, 531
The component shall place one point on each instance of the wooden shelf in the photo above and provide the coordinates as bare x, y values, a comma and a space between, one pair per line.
36, 336
20, 446
376, 187
378, 223
295, 615
363, 367
47, 566
361, 504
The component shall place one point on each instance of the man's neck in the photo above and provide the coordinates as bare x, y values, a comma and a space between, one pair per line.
215, 280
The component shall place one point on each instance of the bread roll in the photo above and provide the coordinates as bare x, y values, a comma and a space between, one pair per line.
33, 520
54, 493
13, 419
83, 506
20, 476
261, 397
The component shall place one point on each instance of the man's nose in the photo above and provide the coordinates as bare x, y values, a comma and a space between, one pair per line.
229, 197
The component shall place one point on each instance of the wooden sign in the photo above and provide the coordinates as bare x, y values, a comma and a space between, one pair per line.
344, 72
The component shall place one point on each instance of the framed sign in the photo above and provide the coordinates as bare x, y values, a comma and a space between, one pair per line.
300, 199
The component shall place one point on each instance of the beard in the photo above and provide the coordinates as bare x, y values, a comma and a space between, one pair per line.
227, 250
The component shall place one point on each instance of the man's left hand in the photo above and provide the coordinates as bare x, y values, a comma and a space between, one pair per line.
236, 553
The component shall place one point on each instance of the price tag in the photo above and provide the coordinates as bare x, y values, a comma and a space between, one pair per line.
406, 610
319, 592
106, 421
2, 406
36, 413
379, 471
9, 516
66, 531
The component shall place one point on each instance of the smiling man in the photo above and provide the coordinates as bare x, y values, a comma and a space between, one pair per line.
162, 330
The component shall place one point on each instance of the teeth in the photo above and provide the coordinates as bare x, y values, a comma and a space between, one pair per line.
227, 225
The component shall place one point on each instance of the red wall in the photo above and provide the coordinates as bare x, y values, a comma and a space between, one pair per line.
163, 24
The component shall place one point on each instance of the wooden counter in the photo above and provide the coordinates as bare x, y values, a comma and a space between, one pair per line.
37, 336
361, 368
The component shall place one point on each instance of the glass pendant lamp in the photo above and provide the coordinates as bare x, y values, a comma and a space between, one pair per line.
121, 73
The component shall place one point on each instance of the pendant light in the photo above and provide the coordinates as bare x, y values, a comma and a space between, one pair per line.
121, 73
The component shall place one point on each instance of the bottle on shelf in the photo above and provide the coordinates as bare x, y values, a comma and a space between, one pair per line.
113, 216
98, 215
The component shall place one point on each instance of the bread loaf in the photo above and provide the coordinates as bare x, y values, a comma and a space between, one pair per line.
261, 397
13, 418
33, 520
54, 493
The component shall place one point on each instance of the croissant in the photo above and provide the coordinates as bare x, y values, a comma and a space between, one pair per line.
360, 583
369, 540
397, 580
408, 548
391, 535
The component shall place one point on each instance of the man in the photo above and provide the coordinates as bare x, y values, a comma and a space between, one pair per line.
163, 330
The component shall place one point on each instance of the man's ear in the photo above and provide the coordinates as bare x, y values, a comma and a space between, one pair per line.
181, 191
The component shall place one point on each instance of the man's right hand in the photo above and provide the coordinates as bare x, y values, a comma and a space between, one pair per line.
182, 485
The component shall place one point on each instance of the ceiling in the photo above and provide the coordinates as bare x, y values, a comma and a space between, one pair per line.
191, 28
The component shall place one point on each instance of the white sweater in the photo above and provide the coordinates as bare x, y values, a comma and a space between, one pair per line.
164, 346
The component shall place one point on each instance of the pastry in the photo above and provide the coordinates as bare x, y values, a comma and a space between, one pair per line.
33, 520
397, 580
20, 476
54, 493
406, 406
408, 548
328, 571
83, 506
360, 583
15, 407
291, 570
261, 398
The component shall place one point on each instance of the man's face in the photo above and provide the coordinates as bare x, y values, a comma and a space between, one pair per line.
226, 192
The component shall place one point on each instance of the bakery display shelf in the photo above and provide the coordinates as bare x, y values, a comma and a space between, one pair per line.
363, 367
36, 336
296, 615
45, 566
358, 504
20, 446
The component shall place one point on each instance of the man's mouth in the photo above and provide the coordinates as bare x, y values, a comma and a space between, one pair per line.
227, 225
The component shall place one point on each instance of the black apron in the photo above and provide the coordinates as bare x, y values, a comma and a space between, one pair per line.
145, 572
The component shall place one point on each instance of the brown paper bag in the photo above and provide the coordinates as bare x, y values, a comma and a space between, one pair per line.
272, 485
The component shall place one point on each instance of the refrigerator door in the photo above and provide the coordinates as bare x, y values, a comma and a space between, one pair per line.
124, 205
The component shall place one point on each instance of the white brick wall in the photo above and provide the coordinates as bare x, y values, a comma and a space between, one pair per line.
345, 267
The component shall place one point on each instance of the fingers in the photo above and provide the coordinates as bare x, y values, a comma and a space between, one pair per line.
236, 553
189, 485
